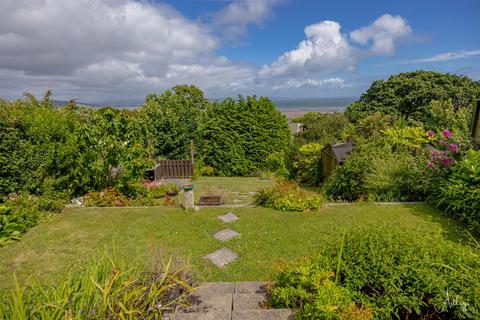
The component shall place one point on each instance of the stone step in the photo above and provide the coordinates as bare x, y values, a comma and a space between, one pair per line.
230, 300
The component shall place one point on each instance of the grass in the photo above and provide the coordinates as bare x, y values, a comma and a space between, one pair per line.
268, 237
235, 190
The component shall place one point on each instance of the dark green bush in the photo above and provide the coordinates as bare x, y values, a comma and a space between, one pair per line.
288, 196
459, 194
395, 273
237, 136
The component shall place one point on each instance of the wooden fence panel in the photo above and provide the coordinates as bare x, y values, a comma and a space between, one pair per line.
174, 169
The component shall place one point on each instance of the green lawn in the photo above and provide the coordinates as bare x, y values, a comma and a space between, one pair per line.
235, 190
268, 238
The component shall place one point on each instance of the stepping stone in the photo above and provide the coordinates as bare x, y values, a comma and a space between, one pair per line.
226, 234
267, 314
249, 301
229, 217
222, 257
200, 315
250, 287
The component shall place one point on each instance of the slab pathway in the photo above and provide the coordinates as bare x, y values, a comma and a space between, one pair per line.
224, 256
230, 301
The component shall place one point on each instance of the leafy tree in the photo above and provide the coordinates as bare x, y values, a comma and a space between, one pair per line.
408, 95
172, 119
322, 128
112, 150
238, 136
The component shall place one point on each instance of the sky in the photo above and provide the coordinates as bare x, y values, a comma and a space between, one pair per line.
121, 50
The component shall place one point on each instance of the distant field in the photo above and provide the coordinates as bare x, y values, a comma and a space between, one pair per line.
268, 237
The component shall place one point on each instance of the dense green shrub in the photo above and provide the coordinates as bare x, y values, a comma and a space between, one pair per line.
22, 212
392, 272
238, 136
288, 196
307, 165
322, 128
408, 95
105, 288
172, 120
275, 164
459, 193
390, 166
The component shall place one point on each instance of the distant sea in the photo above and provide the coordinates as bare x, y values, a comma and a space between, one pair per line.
320, 104
284, 104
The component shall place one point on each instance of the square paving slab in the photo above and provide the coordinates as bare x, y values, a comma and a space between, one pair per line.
222, 257
226, 234
229, 217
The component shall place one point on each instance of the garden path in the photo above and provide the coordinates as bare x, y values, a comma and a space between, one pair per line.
230, 301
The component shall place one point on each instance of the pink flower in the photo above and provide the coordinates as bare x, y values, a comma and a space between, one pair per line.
447, 162
442, 143
447, 133
453, 147
430, 133
430, 164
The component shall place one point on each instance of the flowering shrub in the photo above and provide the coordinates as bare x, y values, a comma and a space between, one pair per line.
109, 197
288, 196
459, 193
445, 151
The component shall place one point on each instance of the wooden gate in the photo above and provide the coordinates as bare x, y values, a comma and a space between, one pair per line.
174, 169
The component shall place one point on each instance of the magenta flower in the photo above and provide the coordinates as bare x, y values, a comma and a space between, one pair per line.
442, 143
430, 133
447, 133
447, 162
430, 164
453, 147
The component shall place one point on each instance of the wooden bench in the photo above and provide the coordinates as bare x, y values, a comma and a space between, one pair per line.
210, 200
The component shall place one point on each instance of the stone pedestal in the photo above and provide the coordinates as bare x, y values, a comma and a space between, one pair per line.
188, 201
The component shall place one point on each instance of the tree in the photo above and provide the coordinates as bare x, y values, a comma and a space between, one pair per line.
408, 94
237, 136
172, 119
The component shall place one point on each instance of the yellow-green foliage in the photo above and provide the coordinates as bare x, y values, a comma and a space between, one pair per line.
106, 288
288, 196
308, 165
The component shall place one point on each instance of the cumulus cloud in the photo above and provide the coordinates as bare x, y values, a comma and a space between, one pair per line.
123, 49
383, 33
233, 20
461, 54
327, 49
99, 43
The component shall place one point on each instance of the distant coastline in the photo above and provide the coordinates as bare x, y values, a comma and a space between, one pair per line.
296, 107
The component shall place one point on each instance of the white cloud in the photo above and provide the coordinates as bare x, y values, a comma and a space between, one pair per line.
123, 49
383, 33
324, 50
461, 54
327, 49
121, 46
300, 83
233, 20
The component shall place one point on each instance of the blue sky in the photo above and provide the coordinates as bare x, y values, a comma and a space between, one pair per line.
124, 49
